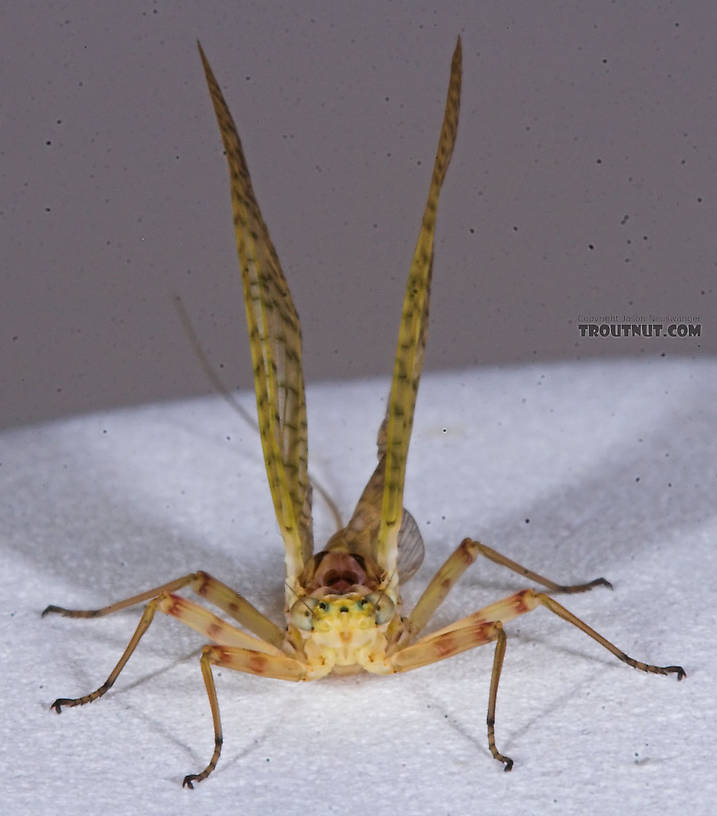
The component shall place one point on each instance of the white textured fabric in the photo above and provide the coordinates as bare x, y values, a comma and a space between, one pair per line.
576, 471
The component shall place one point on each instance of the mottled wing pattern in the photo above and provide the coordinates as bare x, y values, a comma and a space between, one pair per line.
275, 339
412, 337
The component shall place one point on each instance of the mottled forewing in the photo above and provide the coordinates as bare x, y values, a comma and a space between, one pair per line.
412, 337
275, 340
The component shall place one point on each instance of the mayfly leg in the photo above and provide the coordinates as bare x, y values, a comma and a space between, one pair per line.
485, 626
142, 626
202, 584
498, 656
170, 586
278, 666
236, 650
270, 636
208, 677
567, 615
459, 561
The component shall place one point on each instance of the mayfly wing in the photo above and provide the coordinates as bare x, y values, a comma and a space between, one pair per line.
401, 550
275, 340
411, 550
360, 532
412, 338
362, 529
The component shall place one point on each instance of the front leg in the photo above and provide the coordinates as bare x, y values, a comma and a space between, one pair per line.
485, 626
279, 667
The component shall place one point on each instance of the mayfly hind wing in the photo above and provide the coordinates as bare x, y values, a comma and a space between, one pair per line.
362, 528
412, 337
411, 550
275, 341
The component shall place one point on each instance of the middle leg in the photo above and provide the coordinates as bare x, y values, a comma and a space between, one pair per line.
459, 561
204, 585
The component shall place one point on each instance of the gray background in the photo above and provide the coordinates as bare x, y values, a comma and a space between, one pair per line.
581, 125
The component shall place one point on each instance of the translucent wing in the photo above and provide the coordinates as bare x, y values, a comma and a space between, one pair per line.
361, 531
275, 339
411, 550
412, 338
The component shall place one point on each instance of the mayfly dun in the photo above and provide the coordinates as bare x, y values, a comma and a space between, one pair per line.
343, 605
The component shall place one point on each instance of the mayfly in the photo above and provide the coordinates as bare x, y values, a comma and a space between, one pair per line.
343, 607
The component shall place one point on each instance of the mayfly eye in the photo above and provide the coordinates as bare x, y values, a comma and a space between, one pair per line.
383, 605
301, 614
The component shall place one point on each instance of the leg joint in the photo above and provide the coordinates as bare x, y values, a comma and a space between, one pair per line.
469, 550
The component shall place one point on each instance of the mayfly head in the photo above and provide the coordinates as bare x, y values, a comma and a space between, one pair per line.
342, 614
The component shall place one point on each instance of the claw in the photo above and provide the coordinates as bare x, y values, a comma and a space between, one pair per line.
679, 671
50, 608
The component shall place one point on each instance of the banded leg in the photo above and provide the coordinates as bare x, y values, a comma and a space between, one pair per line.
281, 667
448, 643
189, 613
238, 651
459, 561
202, 584
486, 625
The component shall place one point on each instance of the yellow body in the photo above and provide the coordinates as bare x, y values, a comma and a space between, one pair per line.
345, 637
